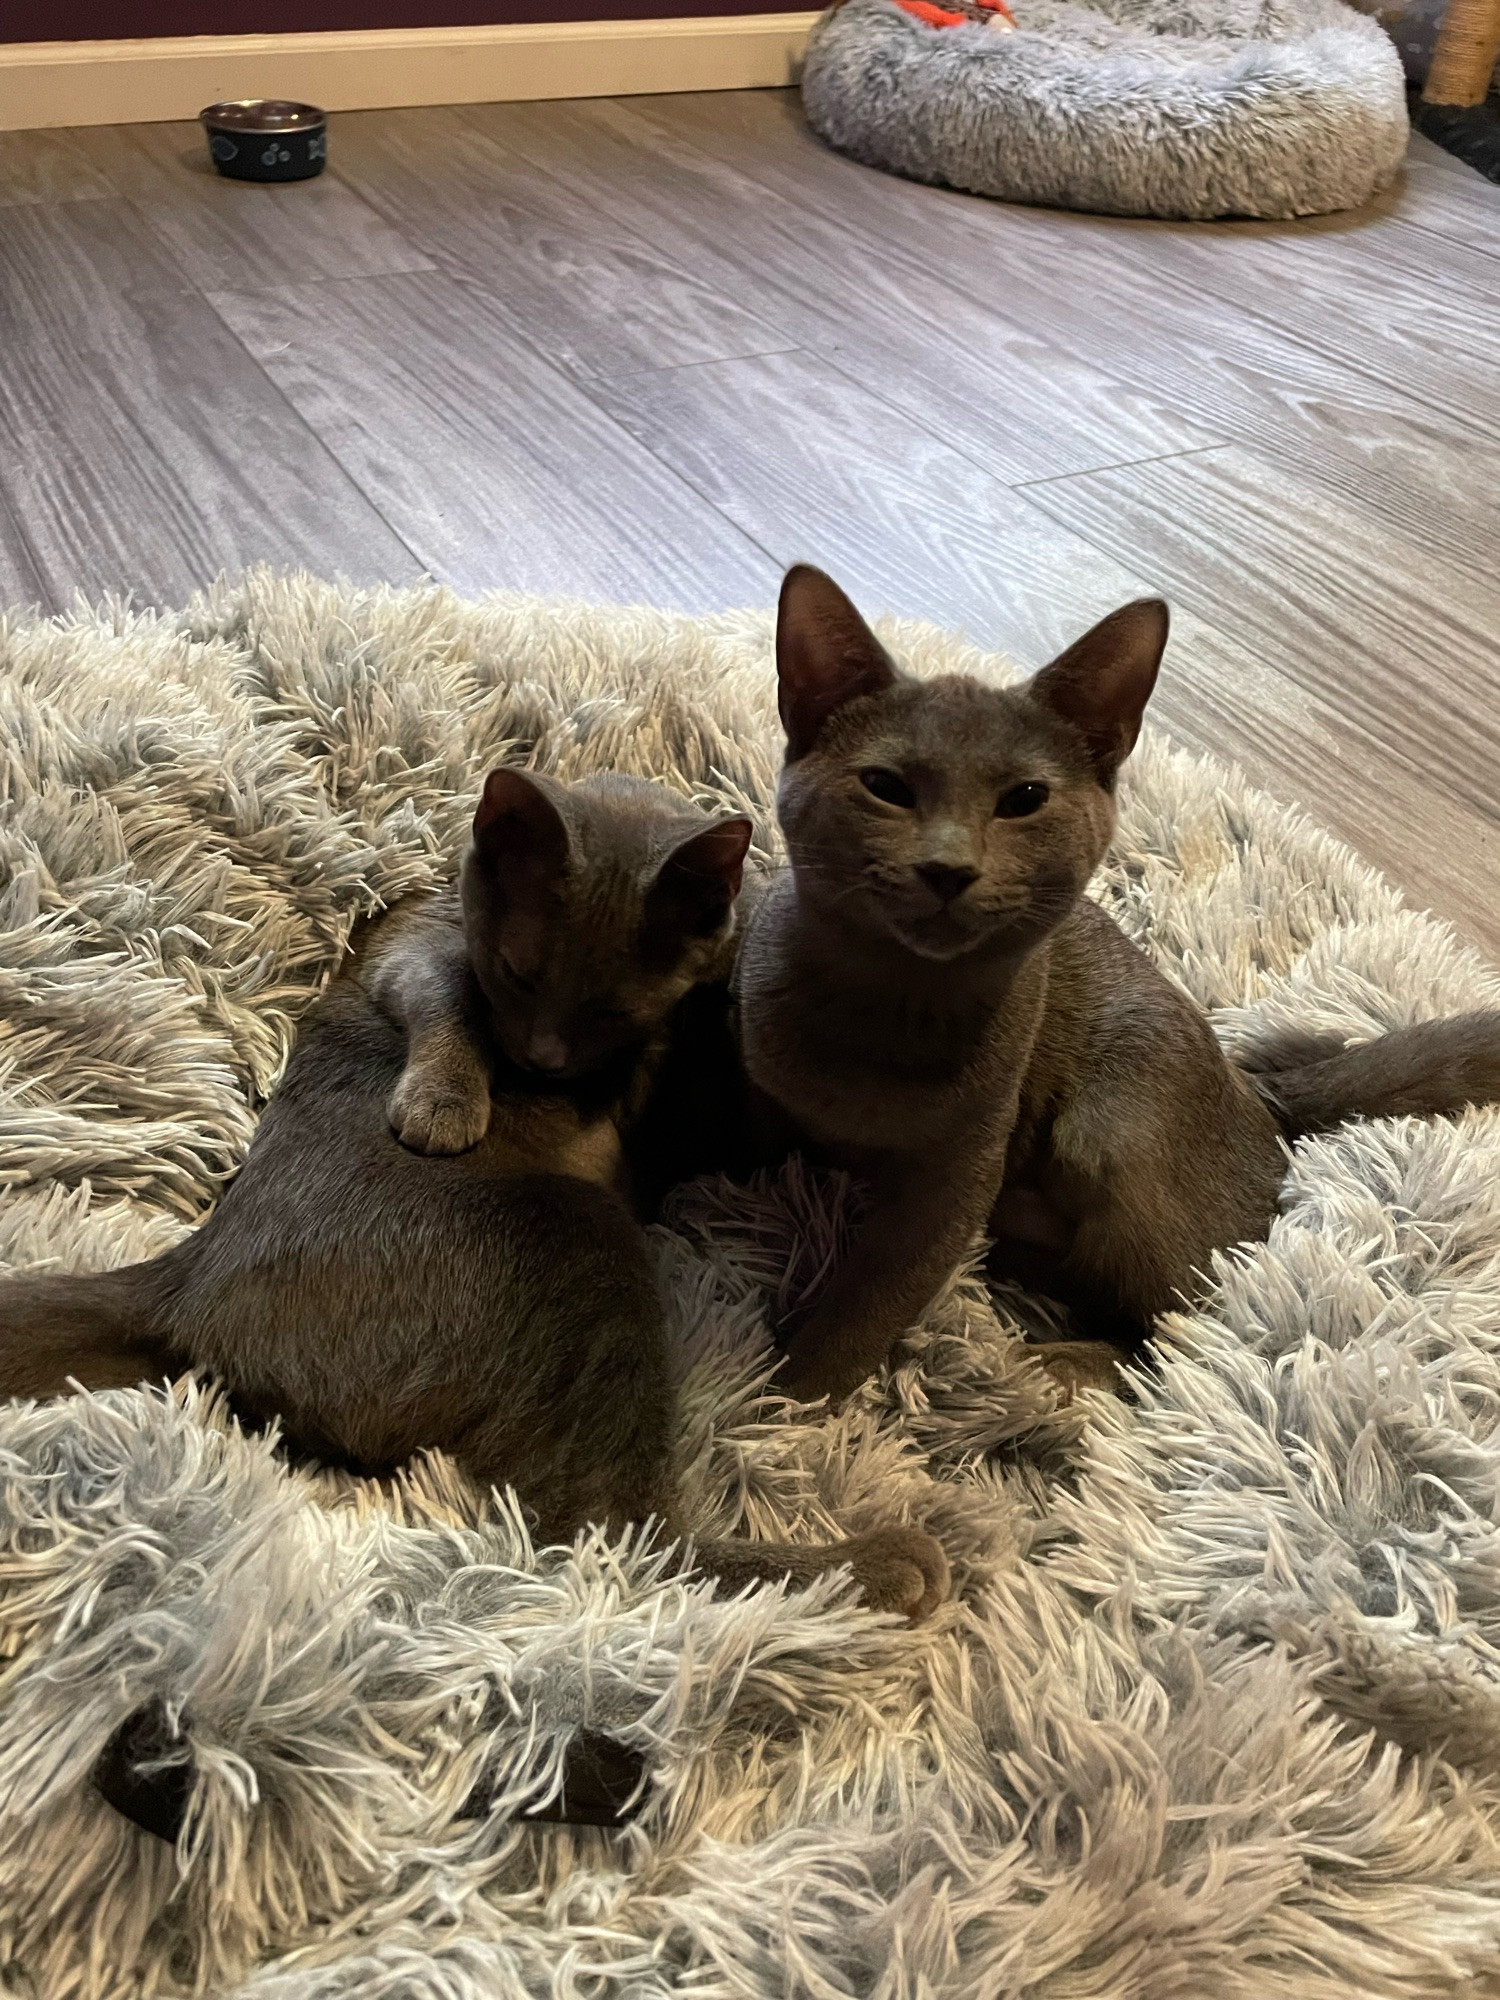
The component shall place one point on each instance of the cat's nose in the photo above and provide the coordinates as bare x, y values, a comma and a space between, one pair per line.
547, 1052
946, 878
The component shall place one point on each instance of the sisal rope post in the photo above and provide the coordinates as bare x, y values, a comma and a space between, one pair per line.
1464, 59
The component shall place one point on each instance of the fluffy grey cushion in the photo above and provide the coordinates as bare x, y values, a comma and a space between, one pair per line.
1216, 1708
1191, 108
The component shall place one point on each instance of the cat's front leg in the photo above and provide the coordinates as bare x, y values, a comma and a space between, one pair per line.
441, 1103
928, 1208
418, 975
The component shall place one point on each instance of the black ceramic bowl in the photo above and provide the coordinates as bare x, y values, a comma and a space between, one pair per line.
266, 139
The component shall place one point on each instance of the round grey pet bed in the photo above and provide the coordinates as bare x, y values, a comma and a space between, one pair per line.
1186, 108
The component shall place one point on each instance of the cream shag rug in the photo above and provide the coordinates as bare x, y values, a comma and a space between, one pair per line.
1216, 1711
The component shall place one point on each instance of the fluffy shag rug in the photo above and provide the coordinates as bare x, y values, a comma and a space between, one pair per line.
1215, 1709
1177, 108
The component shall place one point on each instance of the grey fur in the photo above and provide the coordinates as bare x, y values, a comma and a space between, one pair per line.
1176, 108
584, 915
926, 998
1216, 1711
500, 1306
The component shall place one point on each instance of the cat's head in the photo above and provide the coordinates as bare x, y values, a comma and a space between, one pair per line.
943, 813
590, 910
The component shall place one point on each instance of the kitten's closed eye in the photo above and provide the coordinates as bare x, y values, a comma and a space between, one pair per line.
521, 983
1021, 801
888, 786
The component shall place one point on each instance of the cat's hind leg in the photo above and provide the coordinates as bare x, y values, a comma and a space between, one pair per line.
1157, 1185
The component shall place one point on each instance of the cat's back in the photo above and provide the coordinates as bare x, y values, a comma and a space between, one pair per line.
323, 1143
342, 1272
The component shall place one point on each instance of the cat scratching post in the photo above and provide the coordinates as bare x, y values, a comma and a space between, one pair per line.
1464, 60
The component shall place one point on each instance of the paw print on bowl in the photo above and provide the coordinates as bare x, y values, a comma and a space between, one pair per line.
266, 138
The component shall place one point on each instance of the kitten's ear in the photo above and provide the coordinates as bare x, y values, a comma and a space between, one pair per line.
701, 878
1102, 683
521, 841
516, 822
826, 655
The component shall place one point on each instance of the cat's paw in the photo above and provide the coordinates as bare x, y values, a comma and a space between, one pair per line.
431, 1119
1080, 1364
900, 1569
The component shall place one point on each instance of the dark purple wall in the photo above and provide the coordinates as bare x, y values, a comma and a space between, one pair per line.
90, 20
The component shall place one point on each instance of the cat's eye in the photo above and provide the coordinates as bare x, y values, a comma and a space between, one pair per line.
1021, 801
518, 980
888, 786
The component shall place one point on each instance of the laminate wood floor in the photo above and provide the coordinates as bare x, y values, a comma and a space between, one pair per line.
659, 347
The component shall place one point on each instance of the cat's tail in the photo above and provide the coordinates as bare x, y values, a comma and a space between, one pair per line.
1312, 1082
104, 1329
897, 1569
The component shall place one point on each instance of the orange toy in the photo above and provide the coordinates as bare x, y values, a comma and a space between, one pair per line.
996, 12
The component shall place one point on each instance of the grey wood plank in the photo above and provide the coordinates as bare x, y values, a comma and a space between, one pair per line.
1218, 695
1385, 297
494, 467
145, 451
21, 587
592, 296
1404, 649
1009, 399
62, 266
793, 455
1389, 299
1440, 193
814, 468
1076, 278
47, 167
1423, 471
240, 233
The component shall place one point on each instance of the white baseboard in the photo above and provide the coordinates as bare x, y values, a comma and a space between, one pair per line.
117, 83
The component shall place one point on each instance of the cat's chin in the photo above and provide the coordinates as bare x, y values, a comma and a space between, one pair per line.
539, 1075
937, 937
591, 1067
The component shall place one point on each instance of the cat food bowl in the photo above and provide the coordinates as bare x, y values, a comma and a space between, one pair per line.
266, 139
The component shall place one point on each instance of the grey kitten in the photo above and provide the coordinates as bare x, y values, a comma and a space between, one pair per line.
926, 997
584, 914
501, 1304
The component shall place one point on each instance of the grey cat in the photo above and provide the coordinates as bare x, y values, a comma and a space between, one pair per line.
500, 1304
926, 998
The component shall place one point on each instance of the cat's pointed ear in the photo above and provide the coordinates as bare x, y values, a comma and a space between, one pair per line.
1102, 683
700, 878
516, 821
521, 843
826, 655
